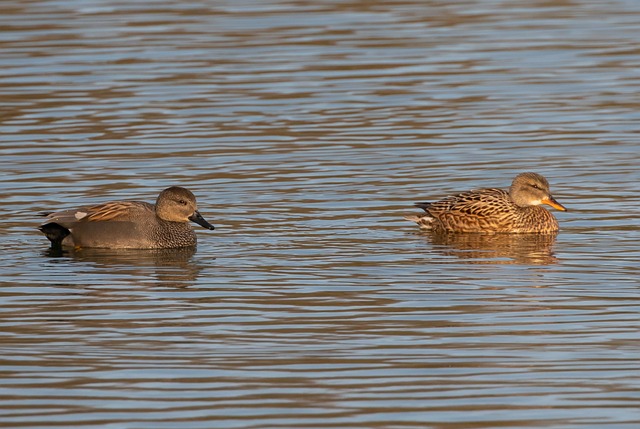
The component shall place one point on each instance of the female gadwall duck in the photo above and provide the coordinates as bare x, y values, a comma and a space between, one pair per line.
494, 210
128, 224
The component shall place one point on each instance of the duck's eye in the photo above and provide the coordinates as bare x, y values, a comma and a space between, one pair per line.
534, 186
182, 202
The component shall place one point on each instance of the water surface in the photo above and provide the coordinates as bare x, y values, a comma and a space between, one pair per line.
307, 130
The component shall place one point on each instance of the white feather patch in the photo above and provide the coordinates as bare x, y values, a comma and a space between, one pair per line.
80, 215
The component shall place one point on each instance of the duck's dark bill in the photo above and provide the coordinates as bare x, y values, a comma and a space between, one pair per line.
197, 218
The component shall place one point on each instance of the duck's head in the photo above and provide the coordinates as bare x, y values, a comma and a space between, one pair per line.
177, 204
531, 189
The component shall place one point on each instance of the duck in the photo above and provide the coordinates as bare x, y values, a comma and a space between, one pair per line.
128, 224
518, 210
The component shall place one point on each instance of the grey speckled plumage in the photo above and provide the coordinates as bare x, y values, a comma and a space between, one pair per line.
494, 210
128, 224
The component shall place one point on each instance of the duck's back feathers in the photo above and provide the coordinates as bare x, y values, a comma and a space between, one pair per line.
111, 211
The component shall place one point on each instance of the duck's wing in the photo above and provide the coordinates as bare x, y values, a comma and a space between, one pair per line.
111, 211
477, 202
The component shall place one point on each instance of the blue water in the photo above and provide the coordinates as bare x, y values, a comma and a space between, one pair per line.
307, 131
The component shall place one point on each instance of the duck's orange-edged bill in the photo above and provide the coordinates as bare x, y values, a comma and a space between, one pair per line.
553, 203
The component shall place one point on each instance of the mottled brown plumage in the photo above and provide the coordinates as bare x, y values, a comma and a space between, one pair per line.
494, 210
128, 224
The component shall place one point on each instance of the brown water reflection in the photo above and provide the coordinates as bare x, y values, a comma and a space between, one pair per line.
531, 249
168, 267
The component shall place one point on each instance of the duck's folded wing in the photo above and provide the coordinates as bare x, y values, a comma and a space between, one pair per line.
112, 211
480, 202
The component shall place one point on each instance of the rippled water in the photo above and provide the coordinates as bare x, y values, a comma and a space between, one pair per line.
307, 130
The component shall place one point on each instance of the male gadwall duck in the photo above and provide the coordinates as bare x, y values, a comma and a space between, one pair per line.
128, 224
494, 210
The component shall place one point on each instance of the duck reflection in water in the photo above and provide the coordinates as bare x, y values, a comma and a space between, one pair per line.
159, 267
529, 249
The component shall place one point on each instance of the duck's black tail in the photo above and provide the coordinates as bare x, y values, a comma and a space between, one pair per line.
55, 233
